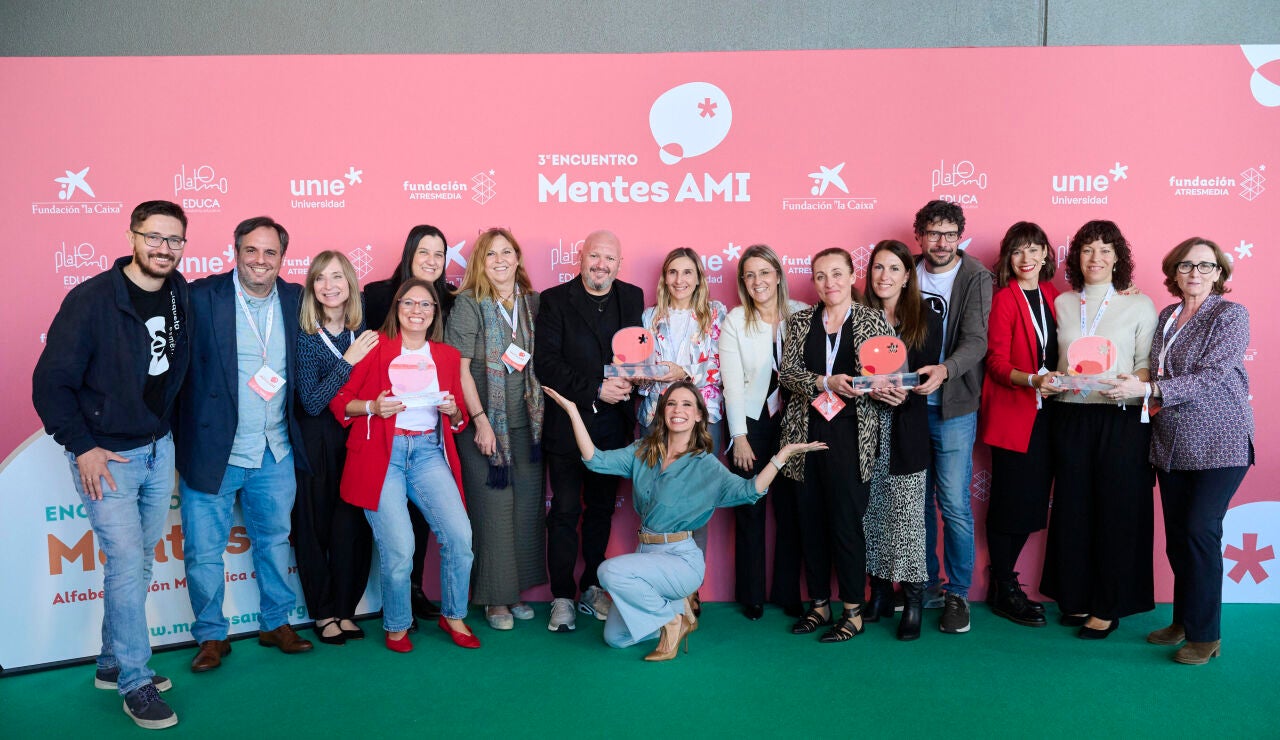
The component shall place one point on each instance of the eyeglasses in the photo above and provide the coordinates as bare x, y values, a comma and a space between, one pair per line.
950, 237
409, 304
1204, 267
176, 243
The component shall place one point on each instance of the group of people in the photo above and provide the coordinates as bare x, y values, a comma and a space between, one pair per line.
353, 419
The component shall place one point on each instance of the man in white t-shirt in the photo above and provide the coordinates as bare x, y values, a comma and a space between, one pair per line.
957, 287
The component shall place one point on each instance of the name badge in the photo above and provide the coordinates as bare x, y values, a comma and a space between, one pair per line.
828, 404
775, 402
515, 358
266, 382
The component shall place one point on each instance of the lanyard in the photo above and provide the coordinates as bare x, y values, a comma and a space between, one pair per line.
514, 315
253, 325
1168, 341
777, 345
1111, 290
324, 336
1042, 328
834, 347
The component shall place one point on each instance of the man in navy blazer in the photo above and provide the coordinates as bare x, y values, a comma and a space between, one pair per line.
236, 434
575, 327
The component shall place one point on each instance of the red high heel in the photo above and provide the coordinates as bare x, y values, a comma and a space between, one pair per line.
461, 639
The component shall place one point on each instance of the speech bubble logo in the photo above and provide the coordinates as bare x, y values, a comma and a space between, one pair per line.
689, 120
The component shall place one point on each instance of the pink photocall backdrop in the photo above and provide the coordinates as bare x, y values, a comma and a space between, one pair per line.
713, 151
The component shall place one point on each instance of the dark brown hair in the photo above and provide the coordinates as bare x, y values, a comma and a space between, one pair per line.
1107, 233
391, 327
1180, 252
1020, 235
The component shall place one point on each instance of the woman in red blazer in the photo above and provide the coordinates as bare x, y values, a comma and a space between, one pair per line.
406, 390
1022, 344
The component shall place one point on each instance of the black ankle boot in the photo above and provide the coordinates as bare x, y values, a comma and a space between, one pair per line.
1011, 603
423, 608
1034, 606
913, 604
881, 603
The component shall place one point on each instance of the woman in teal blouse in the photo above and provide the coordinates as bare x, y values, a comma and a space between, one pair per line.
677, 483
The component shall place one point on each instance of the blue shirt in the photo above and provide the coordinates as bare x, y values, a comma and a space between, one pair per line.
683, 496
260, 423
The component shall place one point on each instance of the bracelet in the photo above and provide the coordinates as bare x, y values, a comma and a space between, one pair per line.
776, 464
368, 408
476, 414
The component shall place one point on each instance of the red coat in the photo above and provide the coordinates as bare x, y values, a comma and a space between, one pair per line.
369, 455
1008, 411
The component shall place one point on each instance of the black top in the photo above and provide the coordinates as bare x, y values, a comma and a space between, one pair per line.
815, 361
910, 445
1035, 299
159, 312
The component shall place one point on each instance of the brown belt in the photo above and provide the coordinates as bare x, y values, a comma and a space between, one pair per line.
650, 538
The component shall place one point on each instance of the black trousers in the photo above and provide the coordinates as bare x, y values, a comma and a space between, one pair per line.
577, 494
831, 501
1020, 486
749, 526
331, 538
1194, 503
1098, 558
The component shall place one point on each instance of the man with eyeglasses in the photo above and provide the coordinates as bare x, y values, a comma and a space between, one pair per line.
237, 435
104, 387
958, 288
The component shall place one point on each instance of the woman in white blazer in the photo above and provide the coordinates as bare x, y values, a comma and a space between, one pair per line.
750, 354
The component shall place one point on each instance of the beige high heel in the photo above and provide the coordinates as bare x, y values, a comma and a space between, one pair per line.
673, 634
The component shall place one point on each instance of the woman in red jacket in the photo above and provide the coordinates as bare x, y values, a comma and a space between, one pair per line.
406, 390
1022, 344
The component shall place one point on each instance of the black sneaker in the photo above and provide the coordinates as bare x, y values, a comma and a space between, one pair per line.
955, 615
148, 710
106, 678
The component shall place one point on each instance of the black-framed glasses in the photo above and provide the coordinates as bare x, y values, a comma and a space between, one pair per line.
1204, 267
408, 304
950, 237
175, 243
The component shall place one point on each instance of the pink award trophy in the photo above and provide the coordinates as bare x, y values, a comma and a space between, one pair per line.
1090, 362
883, 359
632, 351
412, 378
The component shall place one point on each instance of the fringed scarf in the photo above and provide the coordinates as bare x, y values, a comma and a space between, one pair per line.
497, 337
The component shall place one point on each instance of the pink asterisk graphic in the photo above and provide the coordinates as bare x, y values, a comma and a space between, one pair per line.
707, 109
1249, 560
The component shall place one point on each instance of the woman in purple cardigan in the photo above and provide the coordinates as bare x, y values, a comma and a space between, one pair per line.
1202, 438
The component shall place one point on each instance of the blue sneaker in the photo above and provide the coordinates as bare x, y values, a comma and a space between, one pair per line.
106, 678
148, 710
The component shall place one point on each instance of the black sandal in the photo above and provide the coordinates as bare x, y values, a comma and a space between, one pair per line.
844, 628
813, 619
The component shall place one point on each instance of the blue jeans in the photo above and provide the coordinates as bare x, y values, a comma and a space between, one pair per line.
948, 480
128, 523
648, 588
420, 473
266, 500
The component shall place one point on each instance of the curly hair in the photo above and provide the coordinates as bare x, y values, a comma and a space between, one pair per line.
939, 210
1107, 233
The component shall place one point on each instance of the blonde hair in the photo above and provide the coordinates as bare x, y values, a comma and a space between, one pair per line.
311, 315
700, 301
781, 299
474, 278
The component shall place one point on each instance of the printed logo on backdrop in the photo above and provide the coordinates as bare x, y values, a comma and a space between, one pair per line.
199, 189
1250, 540
361, 259
74, 196
828, 191
686, 122
324, 192
1248, 185
566, 257
1266, 91
480, 188
1087, 188
76, 263
194, 266
958, 182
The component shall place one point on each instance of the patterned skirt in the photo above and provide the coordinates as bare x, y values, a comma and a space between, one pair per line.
894, 522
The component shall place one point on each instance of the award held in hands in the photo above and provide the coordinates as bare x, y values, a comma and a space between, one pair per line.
883, 359
1091, 361
414, 382
632, 352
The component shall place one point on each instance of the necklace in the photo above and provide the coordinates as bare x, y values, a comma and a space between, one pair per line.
600, 301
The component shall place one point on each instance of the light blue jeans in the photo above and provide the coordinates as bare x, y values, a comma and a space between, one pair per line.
648, 589
420, 473
266, 500
948, 481
128, 523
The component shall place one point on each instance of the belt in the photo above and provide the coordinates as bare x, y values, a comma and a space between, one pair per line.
413, 432
651, 538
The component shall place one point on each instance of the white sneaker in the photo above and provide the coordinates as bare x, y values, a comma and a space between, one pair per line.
595, 601
562, 617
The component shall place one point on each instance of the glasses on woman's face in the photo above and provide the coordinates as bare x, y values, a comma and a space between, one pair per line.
1204, 267
408, 304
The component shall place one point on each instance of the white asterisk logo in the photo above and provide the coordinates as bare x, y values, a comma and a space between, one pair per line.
353, 175
1119, 172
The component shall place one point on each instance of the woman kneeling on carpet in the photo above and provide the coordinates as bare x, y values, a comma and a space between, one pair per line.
677, 484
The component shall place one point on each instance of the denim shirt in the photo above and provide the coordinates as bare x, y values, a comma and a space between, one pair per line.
683, 496
261, 424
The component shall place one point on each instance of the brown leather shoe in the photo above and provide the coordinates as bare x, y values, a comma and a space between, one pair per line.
1174, 634
210, 656
285, 638
1198, 653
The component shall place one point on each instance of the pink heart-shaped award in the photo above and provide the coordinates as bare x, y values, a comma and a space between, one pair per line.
1091, 356
411, 374
882, 356
632, 345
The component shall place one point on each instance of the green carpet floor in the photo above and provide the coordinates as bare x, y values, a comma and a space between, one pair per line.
740, 679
